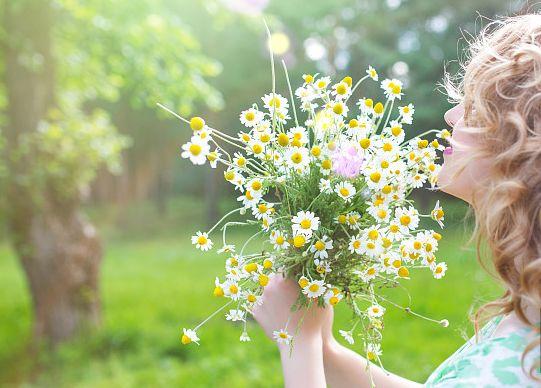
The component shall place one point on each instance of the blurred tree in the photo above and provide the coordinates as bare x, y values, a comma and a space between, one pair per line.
67, 67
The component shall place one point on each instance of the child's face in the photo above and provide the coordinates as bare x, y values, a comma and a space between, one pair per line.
463, 184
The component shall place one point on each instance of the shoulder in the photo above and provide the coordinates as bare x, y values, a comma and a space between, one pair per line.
492, 362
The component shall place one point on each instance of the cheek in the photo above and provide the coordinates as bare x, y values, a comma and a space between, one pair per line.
462, 184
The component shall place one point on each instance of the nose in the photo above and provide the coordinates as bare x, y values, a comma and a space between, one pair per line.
453, 115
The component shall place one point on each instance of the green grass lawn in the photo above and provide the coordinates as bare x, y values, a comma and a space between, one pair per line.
154, 283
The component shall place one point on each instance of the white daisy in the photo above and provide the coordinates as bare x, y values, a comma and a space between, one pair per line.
439, 270
279, 240
320, 247
314, 289
235, 315
282, 336
375, 311
373, 351
372, 73
305, 223
347, 335
244, 337
355, 244
196, 150
202, 241
392, 88
406, 113
213, 158
345, 190
297, 158
438, 214
275, 102
251, 117
188, 336
407, 219
325, 185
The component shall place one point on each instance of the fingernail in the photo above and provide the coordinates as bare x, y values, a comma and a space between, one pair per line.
448, 150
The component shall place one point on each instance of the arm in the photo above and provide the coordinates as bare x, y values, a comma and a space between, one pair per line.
303, 365
345, 368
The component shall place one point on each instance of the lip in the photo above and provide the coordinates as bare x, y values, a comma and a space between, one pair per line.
448, 151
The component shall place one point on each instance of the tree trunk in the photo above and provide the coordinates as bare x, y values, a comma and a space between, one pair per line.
61, 255
59, 250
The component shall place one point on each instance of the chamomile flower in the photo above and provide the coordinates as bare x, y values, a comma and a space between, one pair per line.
314, 289
320, 247
244, 337
251, 117
213, 157
372, 73
227, 248
407, 219
406, 113
345, 190
282, 337
305, 223
439, 270
348, 336
322, 83
355, 244
373, 351
375, 311
392, 88
366, 105
235, 315
332, 296
189, 336
341, 90
196, 150
297, 158
325, 185
340, 109
437, 214
298, 136
279, 240
250, 198
274, 102
262, 209
202, 241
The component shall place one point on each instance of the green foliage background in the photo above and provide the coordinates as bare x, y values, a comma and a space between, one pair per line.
115, 60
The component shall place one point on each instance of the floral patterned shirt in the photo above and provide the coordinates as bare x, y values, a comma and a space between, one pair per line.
489, 362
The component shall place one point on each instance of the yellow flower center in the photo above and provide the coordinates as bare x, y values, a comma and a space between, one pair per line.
384, 164
283, 139
417, 245
344, 192
422, 143
405, 220
256, 185
195, 149
333, 300
370, 245
263, 280
306, 223
246, 137
314, 287
393, 228
342, 219
373, 235
201, 240
296, 157
251, 267
395, 88
356, 244
319, 245
218, 291
308, 78
348, 80
386, 189
257, 149
338, 109
437, 236
251, 298
316, 151
439, 270
326, 164
364, 143
387, 147
275, 102
233, 289
396, 131
303, 282
369, 102
378, 108
371, 271
375, 177
265, 138
267, 264
353, 123
185, 339
280, 240
403, 272
229, 175
197, 123
299, 241
341, 89
262, 208
283, 335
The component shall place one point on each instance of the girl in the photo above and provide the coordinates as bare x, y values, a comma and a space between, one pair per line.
494, 164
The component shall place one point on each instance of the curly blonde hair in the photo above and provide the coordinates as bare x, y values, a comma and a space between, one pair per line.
500, 88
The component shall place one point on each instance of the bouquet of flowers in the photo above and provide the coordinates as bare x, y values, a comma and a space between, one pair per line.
329, 194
